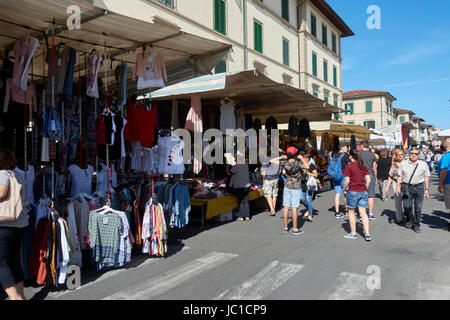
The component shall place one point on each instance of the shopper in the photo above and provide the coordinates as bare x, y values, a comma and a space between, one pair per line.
240, 184
270, 174
428, 159
357, 179
413, 178
336, 173
383, 166
399, 157
444, 176
292, 169
307, 192
11, 234
374, 152
371, 162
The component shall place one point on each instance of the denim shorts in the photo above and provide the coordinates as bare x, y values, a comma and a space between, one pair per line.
357, 199
291, 198
339, 185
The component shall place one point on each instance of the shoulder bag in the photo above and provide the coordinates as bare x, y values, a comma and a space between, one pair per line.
11, 206
405, 186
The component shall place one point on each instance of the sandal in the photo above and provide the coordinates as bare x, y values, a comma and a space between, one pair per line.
310, 219
240, 219
247, 219
272, 214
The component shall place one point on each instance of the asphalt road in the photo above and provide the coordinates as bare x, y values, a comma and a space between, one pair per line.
255, 260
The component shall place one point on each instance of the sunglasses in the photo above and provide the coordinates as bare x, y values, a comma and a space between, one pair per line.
413, 154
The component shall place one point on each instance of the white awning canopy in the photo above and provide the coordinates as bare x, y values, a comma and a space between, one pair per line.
261, 96
122, 35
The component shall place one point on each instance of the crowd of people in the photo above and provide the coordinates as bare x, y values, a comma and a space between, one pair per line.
354, 174
402, 174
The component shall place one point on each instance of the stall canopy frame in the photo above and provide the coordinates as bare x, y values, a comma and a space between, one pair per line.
261, 96
124, 36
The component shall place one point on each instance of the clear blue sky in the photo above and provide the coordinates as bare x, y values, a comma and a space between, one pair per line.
408, 57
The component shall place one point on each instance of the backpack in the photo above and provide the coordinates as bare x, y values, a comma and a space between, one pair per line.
335, 168
11, 206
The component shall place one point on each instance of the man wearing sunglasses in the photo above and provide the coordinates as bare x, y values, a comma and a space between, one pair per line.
414, 179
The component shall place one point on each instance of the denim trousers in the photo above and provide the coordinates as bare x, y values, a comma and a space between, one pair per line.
306, 200
416, 195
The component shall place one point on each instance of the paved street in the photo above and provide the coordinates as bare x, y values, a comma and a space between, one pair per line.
255, 260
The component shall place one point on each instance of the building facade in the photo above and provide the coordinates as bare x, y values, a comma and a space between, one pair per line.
291, 41
371, 109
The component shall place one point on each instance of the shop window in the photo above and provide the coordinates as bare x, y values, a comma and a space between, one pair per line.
285, 52
219, 16
285, 9
221, 67
258, 36
314, 25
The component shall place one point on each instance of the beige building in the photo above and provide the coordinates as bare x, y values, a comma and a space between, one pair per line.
291, 41
371, 109
416, 133
403, 115
425, 135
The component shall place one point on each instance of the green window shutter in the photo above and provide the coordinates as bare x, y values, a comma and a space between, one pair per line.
335, 103
389, 123
335, 76
258, 36
325, 70
221, 67
285, 52
351, 108
314, 64
402, 119
219, 16
324, 35
314, 26
351, 122
285, 9
368, 106
346, 106
326, 99
315, 94
333, 43
365, 124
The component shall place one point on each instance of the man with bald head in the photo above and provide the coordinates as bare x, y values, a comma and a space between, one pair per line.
444, 176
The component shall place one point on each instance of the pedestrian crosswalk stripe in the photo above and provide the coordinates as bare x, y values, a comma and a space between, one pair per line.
266, 281
107, 275
351, 286
157, 286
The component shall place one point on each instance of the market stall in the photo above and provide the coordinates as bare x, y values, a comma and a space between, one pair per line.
250, 99
94, 159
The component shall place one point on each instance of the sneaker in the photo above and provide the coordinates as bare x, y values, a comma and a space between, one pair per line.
285, 230
297, 232
338, 215
417, 229
371, 216
351, 236
408, 224
359, 218
367, 237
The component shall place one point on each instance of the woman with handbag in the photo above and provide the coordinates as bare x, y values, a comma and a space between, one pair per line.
309, 186
13, 222
398, 157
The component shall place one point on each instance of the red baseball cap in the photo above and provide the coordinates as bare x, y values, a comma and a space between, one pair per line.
291, 150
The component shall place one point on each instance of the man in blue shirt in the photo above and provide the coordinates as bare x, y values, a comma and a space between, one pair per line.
444, 176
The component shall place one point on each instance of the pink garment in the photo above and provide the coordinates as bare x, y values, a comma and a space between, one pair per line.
33, 44
15, 93
21, 48
194, 120
141, 64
